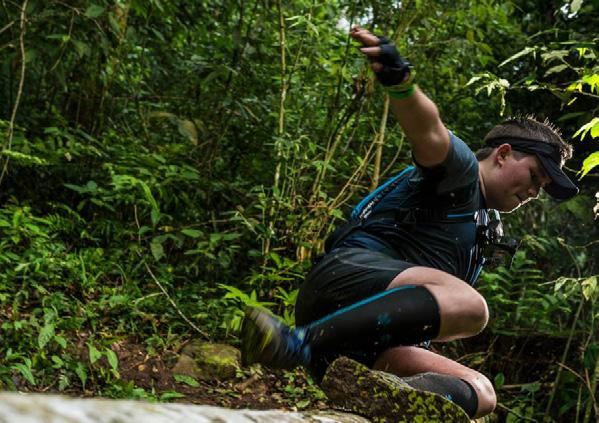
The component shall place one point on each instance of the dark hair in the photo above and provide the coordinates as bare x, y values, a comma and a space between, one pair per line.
527, 127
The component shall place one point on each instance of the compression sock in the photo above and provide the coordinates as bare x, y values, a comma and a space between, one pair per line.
401, 316
453, 388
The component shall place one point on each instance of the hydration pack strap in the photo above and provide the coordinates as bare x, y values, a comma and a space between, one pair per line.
365, 207
418, 215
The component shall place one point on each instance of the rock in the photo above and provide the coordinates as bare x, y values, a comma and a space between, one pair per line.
38, 408
207, 361
385, 397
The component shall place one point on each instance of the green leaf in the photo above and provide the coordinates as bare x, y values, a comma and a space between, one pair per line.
303, 403
113, 360
589, 163
94, 354
192, 233
524, 52
556, 69
575, 5
170, 395
592, 126
82, 48
187, 129
593, 81
94, 11
63, 382
45, 335
188, 380
58, 361
531, 387
148, 193
81, 372
157, 249
499, 380
155, 216
589, 287
25, 371
60, 341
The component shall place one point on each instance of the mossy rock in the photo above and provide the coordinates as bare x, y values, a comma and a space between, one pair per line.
208, 361
384, 397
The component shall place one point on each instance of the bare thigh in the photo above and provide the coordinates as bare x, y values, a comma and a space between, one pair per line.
409, 361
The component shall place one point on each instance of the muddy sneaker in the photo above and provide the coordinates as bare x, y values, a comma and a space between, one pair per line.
269, 341
382, 396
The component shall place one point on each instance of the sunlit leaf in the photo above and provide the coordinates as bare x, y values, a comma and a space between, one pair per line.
188, 380
524, 52
94, 354
113, 360
589, 163
589, 287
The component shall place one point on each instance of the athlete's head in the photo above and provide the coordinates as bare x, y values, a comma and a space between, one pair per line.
521, 156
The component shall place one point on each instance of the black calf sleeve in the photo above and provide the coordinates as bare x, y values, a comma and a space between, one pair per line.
453, 388
401, 316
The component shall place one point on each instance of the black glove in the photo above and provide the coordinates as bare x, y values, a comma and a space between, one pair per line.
395, 68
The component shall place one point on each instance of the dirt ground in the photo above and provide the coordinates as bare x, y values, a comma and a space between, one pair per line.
255, 387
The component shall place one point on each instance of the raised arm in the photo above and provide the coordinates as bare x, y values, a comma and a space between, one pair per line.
416, 113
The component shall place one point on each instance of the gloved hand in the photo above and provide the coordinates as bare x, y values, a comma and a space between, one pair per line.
395, 71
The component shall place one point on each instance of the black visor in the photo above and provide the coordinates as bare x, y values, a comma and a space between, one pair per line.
561, 187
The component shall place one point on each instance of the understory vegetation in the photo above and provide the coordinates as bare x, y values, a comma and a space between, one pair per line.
163, 164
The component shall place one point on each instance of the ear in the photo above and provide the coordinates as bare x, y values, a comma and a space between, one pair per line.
502, 153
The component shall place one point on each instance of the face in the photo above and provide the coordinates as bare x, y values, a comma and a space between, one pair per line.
512, 179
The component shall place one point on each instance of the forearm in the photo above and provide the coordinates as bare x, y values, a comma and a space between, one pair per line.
419, 118
416, 113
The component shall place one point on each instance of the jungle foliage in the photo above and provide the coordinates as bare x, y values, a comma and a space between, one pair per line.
164, 163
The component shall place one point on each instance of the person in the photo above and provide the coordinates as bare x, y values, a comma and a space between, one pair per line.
403, 274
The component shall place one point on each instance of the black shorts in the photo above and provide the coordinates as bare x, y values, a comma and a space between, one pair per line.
344, 277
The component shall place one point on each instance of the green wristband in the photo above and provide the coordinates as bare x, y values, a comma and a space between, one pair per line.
402, 95
406, 84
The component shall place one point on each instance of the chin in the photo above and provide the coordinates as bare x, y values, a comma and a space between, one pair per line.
509, 208
517, 206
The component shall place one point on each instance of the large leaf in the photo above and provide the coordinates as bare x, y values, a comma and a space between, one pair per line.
592, 126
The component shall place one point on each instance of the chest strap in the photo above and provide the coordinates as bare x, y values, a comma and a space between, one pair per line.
419, 215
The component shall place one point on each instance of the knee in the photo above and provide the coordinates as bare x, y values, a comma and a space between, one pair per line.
487, 400
477, 314
463, 314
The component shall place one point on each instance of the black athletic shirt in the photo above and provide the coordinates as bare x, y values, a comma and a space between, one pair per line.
453, 186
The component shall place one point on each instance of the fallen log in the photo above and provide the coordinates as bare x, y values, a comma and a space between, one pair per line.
39, 408
384, 397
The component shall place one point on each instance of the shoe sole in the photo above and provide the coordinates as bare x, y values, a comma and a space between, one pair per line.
254, 337
384, 397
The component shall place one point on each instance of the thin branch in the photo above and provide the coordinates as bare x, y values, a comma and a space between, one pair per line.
585, 382
157, 282
7, 26
11, 125
520, 416
380, 142
64, 45
189, 322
